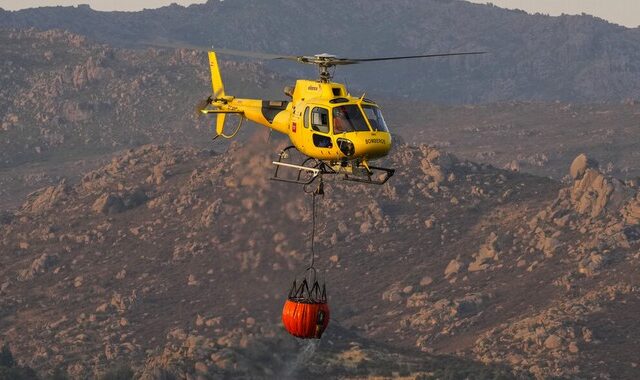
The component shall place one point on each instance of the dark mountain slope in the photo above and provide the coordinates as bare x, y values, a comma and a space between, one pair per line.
577, 58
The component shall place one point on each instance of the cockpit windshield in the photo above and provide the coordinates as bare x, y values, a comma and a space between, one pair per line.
374, 115
348, 118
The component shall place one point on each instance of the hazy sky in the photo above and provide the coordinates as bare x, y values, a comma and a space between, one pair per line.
103, 5
623, 12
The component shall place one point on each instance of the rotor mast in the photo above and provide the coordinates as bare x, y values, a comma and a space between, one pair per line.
325, 73
325, 62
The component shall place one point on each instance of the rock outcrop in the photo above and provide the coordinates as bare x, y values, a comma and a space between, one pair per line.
178, 260
45, 199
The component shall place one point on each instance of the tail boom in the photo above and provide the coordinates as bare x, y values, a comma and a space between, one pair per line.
267, 113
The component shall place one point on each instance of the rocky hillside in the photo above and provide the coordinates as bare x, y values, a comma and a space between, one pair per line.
538, 138
573, 58
65, 99
62, 96
177, 261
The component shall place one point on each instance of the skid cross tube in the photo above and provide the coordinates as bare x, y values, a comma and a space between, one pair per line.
318, 168
314, 171
388, 174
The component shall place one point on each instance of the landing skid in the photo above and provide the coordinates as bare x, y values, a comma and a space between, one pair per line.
371, 176
310, 169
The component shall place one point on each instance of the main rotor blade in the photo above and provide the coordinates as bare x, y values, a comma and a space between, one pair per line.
252, 54
332, 60
413, 56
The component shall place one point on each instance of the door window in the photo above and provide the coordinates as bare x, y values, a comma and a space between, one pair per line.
320, 120
322, 141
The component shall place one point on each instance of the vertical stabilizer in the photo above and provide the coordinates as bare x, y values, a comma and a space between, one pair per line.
216, 79
218, 89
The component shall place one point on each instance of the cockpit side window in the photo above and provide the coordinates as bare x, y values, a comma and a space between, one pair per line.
374, 115
320, 119
348, 118
306, 117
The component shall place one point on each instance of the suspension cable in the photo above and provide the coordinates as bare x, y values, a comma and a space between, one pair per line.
318, 191
313, 228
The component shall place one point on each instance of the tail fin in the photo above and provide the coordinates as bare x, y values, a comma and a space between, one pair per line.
220, 118
218, 89
216, 79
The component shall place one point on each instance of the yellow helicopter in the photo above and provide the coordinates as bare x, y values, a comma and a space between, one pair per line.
335, 132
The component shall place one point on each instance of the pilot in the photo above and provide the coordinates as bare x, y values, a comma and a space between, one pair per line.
340, 122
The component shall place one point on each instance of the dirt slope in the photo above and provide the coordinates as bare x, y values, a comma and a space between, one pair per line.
179, 260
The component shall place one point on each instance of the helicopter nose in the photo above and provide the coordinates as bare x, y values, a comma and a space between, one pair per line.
374, 146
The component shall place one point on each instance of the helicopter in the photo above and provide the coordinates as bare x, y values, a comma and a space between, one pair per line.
334, 132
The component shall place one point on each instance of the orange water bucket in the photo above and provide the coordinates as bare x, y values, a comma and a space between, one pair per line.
306, 312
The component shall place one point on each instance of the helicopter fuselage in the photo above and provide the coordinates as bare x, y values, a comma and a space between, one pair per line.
322, 121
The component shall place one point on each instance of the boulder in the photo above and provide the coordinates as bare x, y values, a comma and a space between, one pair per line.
553, 342
488, 252
573, 347
108, 204
426, 281
418, 300
392, 294
580, 165
44, 199
210, 214
452, 268
437, 164
590, 265
192, 280
159, 174
513, 166
594, 194
549, 245
630, 212
40, 265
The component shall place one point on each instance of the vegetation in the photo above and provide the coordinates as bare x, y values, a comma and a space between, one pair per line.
121, 371
9, 370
